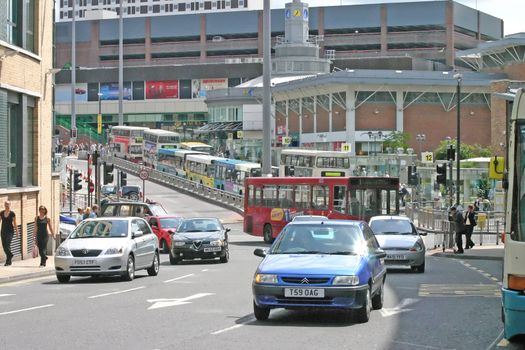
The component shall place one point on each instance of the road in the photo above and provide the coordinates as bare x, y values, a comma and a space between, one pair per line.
455, 304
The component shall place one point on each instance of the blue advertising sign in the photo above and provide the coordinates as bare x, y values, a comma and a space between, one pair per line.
109, 91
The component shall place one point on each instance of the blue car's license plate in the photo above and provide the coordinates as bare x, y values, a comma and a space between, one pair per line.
304, 292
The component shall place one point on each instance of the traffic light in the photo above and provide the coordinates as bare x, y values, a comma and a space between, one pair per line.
412, 175
108, 173
451, 153
441, 174
77, 179
123, 179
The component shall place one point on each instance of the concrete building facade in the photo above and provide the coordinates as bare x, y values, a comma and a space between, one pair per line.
26, 121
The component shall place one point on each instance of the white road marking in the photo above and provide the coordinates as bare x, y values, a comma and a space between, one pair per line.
179, 278
205, 270
162, 303
113, 293
418, 345
6, 295
386, 312
251, 319
24, 310
498, 339
227, 329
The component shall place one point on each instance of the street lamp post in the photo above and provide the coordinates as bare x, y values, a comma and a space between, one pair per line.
420, 138
121, 64
458, 77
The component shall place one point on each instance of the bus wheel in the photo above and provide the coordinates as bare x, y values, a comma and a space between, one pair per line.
267, 233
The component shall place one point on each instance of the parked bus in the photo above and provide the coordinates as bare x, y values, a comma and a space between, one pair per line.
173, 160
513, 297
201, 168
197, 146
270, 203
155, 139
126, 142
313, 163
226, 175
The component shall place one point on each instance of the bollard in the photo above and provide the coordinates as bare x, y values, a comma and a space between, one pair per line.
497, 232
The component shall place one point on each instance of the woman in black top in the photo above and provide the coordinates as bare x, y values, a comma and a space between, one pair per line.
8, 218
42, 222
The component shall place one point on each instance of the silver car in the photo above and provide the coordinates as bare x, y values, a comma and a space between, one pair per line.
108, 246
309, 218
398, 236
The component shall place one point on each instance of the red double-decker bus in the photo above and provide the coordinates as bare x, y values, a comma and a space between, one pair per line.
270, 203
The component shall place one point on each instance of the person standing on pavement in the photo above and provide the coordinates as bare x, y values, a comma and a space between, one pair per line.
94, 211
459, 228
7, 229
470, 222
41, 236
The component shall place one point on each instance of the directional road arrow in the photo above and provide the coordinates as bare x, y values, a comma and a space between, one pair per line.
161, 303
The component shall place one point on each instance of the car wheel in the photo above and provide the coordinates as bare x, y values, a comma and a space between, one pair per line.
267, 234
63, 278
164, 247
154, 268
134, 196
174, 260
363, 314
261, 313
226, 257
130, 269
419, 269
379, 298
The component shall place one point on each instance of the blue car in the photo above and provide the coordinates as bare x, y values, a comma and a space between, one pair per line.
334, 264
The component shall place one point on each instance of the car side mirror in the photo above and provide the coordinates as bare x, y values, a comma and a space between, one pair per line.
380, 253
228, 230
137, 234
171, 232
422, 233
260, 252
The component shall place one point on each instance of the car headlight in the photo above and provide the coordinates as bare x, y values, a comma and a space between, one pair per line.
218, 242
265, 278
62, 251
346, 280
417, 247
114, 251
179, 243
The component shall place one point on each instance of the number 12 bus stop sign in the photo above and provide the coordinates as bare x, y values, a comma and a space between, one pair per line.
144, 174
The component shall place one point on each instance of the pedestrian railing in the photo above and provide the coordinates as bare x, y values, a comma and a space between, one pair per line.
225, 199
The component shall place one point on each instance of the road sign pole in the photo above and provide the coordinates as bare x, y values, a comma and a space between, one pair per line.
70, 190
144, 190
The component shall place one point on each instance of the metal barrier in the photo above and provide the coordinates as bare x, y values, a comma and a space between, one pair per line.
225, 199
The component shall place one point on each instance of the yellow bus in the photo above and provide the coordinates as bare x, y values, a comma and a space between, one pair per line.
197, 146
201, 168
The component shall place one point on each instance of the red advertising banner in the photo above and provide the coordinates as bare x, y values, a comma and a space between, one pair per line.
162, 89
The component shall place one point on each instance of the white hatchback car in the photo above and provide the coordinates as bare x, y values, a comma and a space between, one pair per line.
108, 246
401, 241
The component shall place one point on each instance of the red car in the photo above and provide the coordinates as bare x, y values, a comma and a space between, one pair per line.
162, 226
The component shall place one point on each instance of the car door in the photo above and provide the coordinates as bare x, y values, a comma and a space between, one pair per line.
141, 250
150, 242
376, 264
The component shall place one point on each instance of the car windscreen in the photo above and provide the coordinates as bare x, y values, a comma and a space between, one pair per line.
157, 210
101, 229
169, 222
391, 227
199, 225
320, 239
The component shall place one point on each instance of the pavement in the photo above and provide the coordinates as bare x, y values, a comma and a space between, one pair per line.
26, 269
484, 252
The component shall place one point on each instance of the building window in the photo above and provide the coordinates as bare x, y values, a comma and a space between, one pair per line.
235, 4
94, 2
207, 5
12, 22
143, 9
156, 8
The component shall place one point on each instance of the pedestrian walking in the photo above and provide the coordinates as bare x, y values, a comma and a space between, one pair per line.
7, 229
94, 211
87, 213
80, 215
41, 236
470, 222
459, 228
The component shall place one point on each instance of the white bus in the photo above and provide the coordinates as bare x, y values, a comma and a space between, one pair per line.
155, 139
513, 297
197, 146
126, 142
313, 163
173, 161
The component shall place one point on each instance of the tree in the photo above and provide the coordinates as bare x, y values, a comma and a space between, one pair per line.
395, 140
467, 151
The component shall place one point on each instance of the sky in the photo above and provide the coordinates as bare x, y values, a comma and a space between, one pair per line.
511, 11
